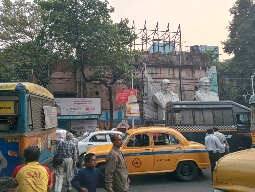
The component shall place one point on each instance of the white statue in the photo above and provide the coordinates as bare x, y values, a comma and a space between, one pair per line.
203, 93
162, 97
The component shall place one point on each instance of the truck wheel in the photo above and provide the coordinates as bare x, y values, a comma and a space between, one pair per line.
186, 171
102, 168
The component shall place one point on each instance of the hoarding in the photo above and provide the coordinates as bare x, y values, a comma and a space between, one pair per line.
126, 96
133, 110
78, 106
82, 126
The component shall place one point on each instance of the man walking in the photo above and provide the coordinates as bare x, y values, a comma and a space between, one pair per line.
116, 174
223, 141
76, 144
67, 148
212, 145
8, 184
32, 176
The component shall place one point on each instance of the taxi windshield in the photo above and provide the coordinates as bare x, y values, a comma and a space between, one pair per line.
125, 136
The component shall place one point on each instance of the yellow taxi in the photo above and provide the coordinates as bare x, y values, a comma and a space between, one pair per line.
235, 172
156, 150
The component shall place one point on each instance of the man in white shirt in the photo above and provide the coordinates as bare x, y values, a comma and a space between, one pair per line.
223, 140
212, 145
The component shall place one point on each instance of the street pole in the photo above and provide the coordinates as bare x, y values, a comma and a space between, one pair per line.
132, 86
252, 84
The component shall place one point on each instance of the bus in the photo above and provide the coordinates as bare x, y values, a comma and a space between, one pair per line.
252, 103
28, 117
193, 118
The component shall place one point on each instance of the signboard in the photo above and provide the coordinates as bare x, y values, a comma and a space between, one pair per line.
78, 106
50, 114
133, 110
126, 96
6, 107
82, 126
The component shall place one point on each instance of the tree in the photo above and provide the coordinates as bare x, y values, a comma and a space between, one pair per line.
84, 33
21, 50
241, 43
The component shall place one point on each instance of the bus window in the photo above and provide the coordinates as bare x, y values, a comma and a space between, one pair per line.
227, 117
208, 117
187, 118
177, 117
218, 118
198, 117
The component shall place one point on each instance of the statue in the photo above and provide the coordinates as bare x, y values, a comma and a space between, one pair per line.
161, 98
203, 93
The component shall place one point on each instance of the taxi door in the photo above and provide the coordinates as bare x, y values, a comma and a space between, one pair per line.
166, 151
138, 153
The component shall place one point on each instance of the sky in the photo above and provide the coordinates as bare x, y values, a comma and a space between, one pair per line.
203, 22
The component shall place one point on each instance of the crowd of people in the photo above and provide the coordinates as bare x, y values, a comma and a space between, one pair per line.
32, 176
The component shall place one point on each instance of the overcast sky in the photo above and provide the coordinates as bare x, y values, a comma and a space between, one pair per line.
203, 22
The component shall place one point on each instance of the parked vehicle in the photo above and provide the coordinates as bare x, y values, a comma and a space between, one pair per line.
27, 118
156, 150
235, 172
192, 118
94, 139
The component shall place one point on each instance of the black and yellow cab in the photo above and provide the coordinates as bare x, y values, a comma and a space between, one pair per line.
157, 150
235, 172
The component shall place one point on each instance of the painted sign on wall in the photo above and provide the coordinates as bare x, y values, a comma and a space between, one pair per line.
78, 106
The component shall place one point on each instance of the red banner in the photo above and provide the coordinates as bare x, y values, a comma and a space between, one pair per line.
126, 96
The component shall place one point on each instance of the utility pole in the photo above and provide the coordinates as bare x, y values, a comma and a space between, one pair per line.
132, 86
180, 62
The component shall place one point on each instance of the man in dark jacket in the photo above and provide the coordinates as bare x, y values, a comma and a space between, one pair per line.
87, 178
116, 174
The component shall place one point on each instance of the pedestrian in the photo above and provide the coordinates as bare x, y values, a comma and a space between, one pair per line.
87, 178
116, 174
8, 184
76, 143
32, 176
212, 145
223, 140
67, 149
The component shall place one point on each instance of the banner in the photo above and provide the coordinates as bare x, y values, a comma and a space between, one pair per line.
78, 106
6, 107
126, 96
133, 110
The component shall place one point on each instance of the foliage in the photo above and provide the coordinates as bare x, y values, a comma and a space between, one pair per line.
241, 43
22, 53
84, 34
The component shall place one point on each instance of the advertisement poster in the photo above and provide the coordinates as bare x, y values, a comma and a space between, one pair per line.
78, 106
133, 110
50, 117
124, 96
82, 126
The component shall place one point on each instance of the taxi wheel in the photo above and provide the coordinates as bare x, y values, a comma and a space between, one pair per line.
186, 171
102, 168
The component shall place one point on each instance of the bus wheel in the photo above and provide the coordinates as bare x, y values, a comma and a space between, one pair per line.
186, 171
102, 168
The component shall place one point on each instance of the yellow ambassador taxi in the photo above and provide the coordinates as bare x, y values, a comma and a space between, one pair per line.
156, 150
235, 172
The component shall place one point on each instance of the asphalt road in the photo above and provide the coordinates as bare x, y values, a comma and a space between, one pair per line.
166, 182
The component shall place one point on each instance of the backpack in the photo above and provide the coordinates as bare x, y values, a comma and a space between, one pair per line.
58, 159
